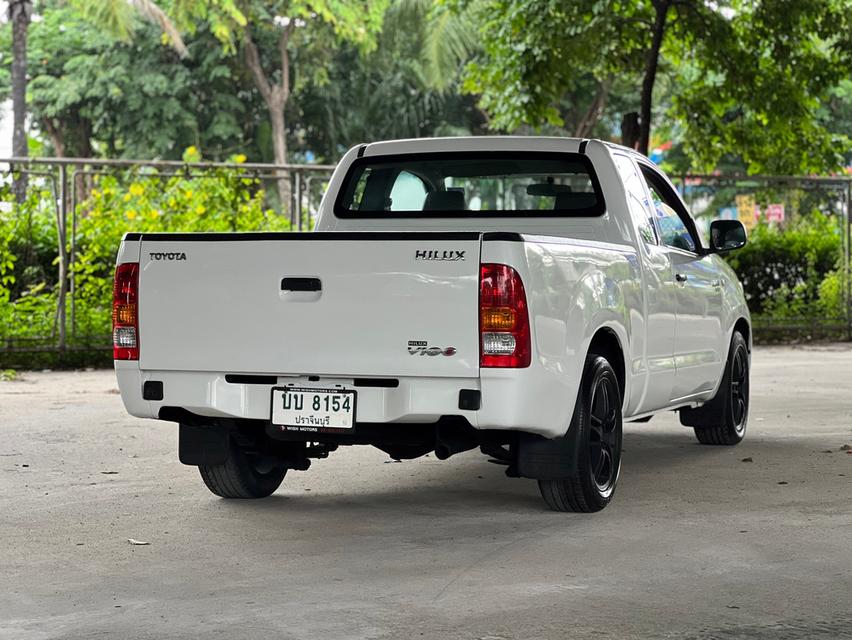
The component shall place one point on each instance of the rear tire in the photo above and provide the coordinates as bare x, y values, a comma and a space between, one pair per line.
240, 476
723, 420
597, 416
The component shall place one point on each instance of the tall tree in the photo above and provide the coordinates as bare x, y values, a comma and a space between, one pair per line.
91, 93
747, 70
761, 87
20, 13
272, 35
119, 17
298, 30
406, 88
536, 50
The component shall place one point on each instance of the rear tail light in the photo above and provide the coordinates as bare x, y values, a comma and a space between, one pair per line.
504, 323
125, 312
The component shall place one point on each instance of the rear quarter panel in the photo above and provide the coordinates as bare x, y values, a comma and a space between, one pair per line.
573, 289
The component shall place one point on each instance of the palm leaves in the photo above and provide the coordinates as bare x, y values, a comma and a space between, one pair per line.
448, 39
119, 18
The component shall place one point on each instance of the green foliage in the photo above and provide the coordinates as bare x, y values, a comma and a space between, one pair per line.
757, 83
744, 77
388, 93
218, 200
134, 99
792, 272
532, 53
28, 246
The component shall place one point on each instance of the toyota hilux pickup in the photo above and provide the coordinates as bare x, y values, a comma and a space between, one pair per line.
520, 295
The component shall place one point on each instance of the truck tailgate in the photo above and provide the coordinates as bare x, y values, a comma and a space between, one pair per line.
351, 304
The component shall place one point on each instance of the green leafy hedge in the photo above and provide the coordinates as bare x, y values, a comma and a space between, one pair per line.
794, 272
218, 200
791, 274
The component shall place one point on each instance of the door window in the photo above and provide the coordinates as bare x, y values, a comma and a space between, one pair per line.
676, 229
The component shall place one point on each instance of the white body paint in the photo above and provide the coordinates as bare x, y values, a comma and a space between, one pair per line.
221, 311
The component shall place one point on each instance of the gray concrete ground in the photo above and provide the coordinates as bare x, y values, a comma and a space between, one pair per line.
697, 544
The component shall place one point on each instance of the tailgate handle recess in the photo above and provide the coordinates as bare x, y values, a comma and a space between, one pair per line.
301, 284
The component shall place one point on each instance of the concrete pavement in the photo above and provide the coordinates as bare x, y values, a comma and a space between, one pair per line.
697, 544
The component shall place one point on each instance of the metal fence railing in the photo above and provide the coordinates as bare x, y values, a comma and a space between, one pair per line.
61, 190
796, 269
47, 290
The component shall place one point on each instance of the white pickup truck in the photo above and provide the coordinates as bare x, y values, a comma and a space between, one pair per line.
520, 295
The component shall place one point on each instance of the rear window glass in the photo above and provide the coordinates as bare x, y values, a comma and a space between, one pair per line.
470, 185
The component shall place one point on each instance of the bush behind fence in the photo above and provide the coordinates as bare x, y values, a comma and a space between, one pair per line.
57, 247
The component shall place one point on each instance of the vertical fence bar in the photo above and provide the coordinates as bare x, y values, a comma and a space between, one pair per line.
308, 180
297, 193
847, 220
62, 218
291, 203
72, 284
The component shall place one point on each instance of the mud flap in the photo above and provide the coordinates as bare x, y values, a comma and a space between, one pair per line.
203, 445
543, 458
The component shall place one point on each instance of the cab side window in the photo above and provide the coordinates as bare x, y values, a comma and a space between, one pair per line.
636, 199
672, 224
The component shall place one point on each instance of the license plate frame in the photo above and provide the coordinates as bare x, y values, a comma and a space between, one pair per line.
312, 420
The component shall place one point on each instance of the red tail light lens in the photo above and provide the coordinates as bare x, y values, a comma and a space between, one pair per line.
504, 323
125, 312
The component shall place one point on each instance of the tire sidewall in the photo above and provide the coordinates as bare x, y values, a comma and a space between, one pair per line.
258, 483
737, 342
597, 367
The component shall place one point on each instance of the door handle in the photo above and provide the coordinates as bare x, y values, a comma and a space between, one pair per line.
681, 277
716, 283
301, 284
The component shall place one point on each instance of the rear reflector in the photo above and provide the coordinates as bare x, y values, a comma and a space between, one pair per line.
125, 312
504, 324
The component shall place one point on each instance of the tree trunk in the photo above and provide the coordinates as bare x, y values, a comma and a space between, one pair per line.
651, 64
20, 12
630, 130
279, 147
593, 114
57, 139
275, 96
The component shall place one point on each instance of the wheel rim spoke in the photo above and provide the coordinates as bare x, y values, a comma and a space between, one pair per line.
739, 387
603, 434
600, 467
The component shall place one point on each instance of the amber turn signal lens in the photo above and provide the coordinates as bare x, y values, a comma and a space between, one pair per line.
124, 314
497, 319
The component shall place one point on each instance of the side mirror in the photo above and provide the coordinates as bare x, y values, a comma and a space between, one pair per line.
726, 235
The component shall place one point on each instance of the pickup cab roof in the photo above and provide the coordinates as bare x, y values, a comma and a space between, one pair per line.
470, 143
596, 226
486, 143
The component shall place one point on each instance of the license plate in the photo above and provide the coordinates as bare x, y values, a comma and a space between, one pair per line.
306, 409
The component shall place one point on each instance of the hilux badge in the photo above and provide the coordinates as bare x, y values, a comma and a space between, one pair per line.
450, 255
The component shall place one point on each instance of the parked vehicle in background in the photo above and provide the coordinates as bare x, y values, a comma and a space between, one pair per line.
525, 296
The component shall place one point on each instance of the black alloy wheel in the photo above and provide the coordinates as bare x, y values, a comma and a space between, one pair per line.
723, 420
604, 435
597, 431
739, 388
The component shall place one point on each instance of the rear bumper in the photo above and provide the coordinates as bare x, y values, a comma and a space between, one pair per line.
516, 400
